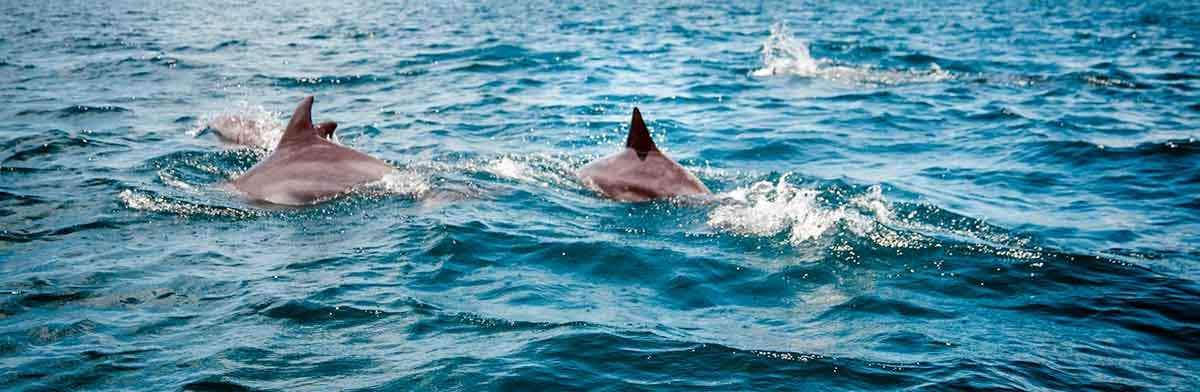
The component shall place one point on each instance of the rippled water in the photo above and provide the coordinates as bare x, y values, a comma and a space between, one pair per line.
952, 196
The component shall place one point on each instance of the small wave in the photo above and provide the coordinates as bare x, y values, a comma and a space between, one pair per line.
1111, 79
783, 54
76, 110
308, 312
53, 145
212, 384
1084, 152
50, 333
228, 44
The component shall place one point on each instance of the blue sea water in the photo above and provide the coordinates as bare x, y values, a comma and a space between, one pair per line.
946, 196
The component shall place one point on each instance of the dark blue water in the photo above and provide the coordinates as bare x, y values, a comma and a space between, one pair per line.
970, 195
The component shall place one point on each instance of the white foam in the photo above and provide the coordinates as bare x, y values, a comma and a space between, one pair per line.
784, 54
538, 169
506, 167
766, 209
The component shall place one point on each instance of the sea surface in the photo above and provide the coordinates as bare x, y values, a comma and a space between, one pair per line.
946, 196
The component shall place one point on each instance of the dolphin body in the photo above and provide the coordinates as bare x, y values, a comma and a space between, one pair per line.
306, 167
640, 172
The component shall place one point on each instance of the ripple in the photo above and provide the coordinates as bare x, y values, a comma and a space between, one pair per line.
307, 312
76, 111
325, 80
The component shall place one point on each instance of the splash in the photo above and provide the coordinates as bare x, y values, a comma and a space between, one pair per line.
537, 169
785, 55
767, 209
506, 167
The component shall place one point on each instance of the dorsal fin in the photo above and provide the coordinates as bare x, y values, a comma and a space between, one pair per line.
325, 129
300, 127
639, 137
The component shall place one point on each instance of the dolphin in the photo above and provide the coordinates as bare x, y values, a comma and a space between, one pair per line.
251, 132
306, 167
640, 172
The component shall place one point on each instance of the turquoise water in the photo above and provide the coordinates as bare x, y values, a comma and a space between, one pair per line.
969, 195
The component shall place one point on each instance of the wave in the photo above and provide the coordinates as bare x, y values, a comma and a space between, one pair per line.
308, 312
76, 110
1079, 152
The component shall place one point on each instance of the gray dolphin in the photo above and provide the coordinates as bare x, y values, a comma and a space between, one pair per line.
251, 132
306, 167
640, 172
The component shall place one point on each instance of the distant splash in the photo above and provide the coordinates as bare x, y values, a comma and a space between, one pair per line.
785, 55
259, 128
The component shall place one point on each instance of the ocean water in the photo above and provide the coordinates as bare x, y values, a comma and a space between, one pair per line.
952, 196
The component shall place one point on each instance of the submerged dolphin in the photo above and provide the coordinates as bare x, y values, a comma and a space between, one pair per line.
251, 132
306, 167
640, 172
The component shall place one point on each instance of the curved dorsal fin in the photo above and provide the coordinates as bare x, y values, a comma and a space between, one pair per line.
300, 127
639, 137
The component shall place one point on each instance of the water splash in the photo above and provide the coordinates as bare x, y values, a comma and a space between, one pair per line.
506, 167
768, 209
537, 169
785, 55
